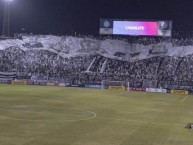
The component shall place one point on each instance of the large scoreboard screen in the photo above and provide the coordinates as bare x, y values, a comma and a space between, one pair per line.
135, 28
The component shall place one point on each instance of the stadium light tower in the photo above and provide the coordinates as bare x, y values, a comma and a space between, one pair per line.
6, 18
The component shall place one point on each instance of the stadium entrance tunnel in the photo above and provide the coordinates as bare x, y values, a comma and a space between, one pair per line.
45, 114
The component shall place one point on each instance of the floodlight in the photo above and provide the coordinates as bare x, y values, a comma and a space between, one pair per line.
6, 19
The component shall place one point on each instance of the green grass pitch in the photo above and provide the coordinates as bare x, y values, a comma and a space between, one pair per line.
35, 115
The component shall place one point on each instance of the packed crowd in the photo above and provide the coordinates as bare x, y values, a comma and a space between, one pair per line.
155, 68
42, 64
45, 65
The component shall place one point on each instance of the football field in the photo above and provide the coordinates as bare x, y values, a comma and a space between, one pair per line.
35, 115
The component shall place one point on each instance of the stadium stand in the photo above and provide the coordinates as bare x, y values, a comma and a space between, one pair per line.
86, 59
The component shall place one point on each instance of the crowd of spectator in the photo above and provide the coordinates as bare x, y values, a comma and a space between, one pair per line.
42, 64
45, 65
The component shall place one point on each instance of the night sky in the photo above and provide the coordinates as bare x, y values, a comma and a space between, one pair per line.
82, 16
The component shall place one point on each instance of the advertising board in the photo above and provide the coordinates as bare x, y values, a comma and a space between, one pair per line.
137, 89
5, 81
183, 92
19, 82
117, 88
50, 84
62, 84
156, 90
93, 86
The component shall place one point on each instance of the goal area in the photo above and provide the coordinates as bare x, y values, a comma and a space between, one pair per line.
115, 85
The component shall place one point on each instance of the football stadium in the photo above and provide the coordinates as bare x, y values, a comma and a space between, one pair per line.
128, 83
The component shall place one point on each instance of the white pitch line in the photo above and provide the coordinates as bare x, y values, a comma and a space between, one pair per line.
142, 121
184, 98
93, 115
46, 113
